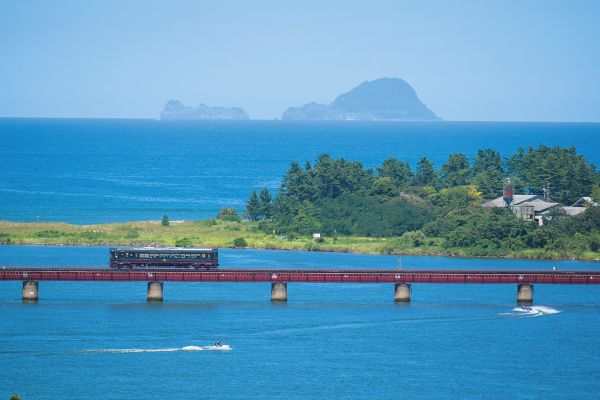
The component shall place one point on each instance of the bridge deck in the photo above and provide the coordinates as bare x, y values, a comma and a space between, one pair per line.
301, 276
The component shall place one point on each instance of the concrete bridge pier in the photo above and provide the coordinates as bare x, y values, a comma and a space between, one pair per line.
402, 293
30, 290
278, 291
525, 293
155, 291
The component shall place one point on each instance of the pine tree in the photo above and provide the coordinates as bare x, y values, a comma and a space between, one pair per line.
425, 175
266, 205
253, 207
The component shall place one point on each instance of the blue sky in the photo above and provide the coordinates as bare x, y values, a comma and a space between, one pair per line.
467, 60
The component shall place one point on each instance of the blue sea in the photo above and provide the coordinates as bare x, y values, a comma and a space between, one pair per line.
89, 340
86, 171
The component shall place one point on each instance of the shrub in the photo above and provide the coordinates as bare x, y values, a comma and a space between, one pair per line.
132, 235
226, 211
165, 220
4, 238
240, 242
208, 222
231, 218
183, 242
594, 244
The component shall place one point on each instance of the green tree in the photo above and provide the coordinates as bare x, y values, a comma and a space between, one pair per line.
398, 171
456, 171
574, 193
338, 177
383, 187
425, 174
488, 170
266, 205
15, 397
165, 220
565, 171
237, 242
595, 194
298, 182
227, 211
253, 207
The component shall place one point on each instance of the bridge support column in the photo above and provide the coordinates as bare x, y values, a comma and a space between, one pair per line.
30, 290
278, 291
525, 293
155, 291
402, 293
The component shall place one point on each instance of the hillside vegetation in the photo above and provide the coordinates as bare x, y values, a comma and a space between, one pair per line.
438, 209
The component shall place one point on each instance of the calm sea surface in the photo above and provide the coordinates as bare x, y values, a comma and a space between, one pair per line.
86, 340
92, 171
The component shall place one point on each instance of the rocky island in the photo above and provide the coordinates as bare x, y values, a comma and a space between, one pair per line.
381, 99
176, 110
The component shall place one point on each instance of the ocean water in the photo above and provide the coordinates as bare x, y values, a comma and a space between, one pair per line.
85, 171
88, 340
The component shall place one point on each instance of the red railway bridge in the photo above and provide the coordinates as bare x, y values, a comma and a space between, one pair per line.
279, 278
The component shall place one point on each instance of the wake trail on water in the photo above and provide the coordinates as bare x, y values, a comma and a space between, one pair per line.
535, 311
186, 348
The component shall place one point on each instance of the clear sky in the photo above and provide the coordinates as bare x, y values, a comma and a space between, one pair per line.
509, 60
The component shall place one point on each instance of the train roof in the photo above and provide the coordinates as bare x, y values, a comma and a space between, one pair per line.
160, 248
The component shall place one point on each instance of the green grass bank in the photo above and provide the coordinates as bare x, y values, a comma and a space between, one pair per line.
222, 234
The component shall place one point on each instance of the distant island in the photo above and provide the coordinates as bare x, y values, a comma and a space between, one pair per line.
176, 110
381, 99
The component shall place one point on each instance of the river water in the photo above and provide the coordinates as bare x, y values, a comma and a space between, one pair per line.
87, 340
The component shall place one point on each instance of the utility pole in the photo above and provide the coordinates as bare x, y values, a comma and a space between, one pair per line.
547, 191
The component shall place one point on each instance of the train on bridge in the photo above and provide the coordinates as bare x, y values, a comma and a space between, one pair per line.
163, 257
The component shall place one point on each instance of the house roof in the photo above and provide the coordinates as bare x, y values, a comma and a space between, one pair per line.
583, 201
574, 210
539, 202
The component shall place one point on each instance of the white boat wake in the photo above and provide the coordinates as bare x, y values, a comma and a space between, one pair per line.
532, 311
186, 348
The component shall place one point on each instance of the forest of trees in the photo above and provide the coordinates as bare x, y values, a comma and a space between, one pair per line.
340, 197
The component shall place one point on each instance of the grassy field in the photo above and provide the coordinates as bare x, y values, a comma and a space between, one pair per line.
222, 234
